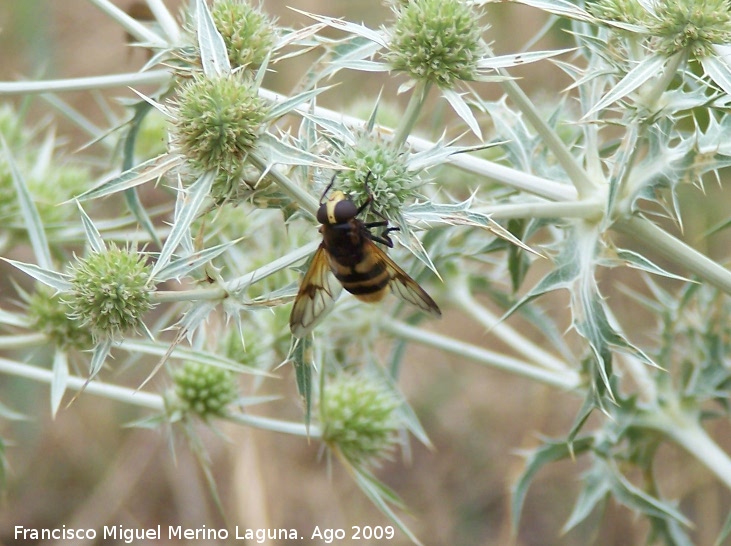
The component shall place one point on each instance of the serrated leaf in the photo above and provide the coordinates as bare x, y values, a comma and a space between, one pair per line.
645, 70
55, 280
59, 381
186, 211
214, 56
29, 212
635, 498
93, 236
595, 490
549, 452
152, 169
637, 261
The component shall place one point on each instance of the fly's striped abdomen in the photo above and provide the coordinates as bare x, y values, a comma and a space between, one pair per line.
367, 280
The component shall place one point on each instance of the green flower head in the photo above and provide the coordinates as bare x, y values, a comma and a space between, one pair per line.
218, 122
437, 40
692, 25
247, 32
360, 419
390, 182
110, 292
204, 390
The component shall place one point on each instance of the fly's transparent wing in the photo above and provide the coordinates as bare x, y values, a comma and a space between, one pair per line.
405, 287
316, 296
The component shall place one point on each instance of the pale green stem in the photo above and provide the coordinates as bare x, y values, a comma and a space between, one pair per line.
129, 23
147, 400
584, 185
275, 425
22, 341
408, 120
105, 390
685, 430
133, 79
682, 255
463, 299
566, 380
586, 209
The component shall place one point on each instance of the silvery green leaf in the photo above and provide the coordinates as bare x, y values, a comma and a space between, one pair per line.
152, 169
351, 28
59, 381
517, 59
382, 497
13, 319
212, 47
291, 103
33, 221
93, 236
637, 261
718, 69
562, 8
51, 278
275, 151
98, 357
645, 70
463, 110
453, 214
440, 152
335, 128
363, 65
183, 266
186, 210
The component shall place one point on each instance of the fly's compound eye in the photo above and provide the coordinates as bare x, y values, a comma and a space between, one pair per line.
322, 214
345, 210
336, 211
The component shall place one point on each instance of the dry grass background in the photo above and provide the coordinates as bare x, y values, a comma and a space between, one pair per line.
84, 470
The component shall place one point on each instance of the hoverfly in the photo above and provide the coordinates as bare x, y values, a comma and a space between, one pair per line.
348, 253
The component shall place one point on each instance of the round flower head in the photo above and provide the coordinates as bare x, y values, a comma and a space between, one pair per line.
390, 182
217, 123
360, 419
692, 25
110, 292
203, 389
247, 32
437, 40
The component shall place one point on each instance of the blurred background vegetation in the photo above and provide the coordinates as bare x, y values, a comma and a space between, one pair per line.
86, 470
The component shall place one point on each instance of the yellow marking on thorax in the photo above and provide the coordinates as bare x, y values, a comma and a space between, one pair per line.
336, 197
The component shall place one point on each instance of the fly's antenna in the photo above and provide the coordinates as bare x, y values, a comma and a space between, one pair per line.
329, 187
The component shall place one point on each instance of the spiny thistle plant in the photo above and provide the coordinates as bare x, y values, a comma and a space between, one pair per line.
513, 195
